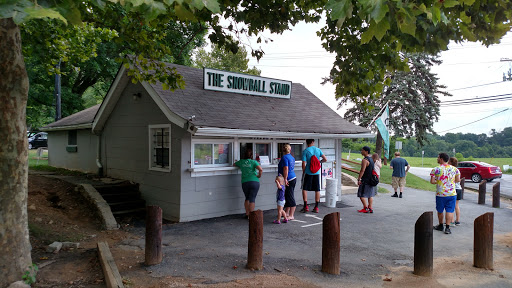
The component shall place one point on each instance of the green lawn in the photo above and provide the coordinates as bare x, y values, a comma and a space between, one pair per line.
412, 181
33, 160
432, 162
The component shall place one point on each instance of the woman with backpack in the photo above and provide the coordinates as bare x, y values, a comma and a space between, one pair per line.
366, 190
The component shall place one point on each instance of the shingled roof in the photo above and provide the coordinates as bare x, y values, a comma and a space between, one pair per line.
83, 119
302, 113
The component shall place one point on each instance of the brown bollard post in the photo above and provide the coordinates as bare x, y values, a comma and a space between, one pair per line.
482, 250
496, 195
255, 251
424, 245
153, 235
462, 184
481, 192
331, 244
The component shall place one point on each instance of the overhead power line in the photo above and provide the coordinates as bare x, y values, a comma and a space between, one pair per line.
475, 121
476, 86
481, 100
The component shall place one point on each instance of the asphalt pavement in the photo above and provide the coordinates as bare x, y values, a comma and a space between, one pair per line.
372, 245
505, 181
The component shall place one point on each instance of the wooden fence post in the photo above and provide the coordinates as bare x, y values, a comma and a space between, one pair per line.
423, 245
331, 243
496, 195
255, 247
482, 249
462, 184
153, 235
481, 192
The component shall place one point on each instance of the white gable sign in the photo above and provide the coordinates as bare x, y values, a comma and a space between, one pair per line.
218, 80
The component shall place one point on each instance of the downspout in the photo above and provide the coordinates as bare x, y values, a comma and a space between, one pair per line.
98, 157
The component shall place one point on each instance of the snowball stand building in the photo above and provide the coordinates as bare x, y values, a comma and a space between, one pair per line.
180, 145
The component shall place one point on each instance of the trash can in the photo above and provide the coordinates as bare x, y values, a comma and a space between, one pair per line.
331, 185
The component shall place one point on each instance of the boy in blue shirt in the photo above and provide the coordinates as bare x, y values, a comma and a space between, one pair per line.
311, 179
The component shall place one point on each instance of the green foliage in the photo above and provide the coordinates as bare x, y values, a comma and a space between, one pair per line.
29, 277
369, 37
220, 58
413, 99
459, 157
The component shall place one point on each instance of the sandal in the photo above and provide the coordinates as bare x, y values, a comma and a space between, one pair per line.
277, 222
285, 221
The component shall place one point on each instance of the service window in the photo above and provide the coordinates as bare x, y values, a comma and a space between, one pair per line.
258, 150
212, 154
160, 151
297, 149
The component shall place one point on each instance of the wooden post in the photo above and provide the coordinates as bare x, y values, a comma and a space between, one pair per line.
482, 250
496, 195
424, 245
462, 184
153, 235
255, 251
331, 244
481, 192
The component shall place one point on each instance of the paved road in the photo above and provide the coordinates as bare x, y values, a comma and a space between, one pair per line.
505, 181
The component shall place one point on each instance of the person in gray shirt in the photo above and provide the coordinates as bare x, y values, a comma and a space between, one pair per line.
398, 164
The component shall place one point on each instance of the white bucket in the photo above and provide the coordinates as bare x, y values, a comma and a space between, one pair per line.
506, 167
331, 185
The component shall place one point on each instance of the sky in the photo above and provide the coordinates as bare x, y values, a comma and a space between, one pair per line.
298, 56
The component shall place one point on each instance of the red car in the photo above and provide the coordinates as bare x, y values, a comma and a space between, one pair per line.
476, 171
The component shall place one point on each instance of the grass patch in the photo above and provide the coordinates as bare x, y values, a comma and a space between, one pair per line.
382, 190
34, 162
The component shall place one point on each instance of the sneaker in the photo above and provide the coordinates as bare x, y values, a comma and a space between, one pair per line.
305, 209
364, 210
447, 230
457, 223
400, 195
370, 210
315, 210
394, 195
439, 227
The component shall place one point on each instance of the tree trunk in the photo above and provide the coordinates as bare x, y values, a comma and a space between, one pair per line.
14, 242
378, 145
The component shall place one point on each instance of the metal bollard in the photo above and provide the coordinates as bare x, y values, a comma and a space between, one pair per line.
481, 192
331, 243
424, 245
255, 247
482, 247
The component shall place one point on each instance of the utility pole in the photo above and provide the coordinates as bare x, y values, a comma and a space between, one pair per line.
507, 76
58, 114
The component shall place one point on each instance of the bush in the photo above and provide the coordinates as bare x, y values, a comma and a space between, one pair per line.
459, 156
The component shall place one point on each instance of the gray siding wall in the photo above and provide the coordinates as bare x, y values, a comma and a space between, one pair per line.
126, 150
220, 195
83, 160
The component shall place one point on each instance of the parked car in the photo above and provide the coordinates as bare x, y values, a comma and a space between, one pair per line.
476, 171
38, 140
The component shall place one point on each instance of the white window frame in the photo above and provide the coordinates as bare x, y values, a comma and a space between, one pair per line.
212, 142
151, 147
270, 142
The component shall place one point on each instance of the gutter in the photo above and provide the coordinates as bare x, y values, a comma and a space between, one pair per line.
65, 128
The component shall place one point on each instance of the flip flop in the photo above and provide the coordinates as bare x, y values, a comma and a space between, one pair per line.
277, 222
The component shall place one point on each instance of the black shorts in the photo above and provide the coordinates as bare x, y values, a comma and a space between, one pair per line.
289, 194
250, 189
459, 194
311, 182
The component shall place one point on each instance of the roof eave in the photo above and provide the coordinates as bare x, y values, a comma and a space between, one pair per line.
227, 132
69, 127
